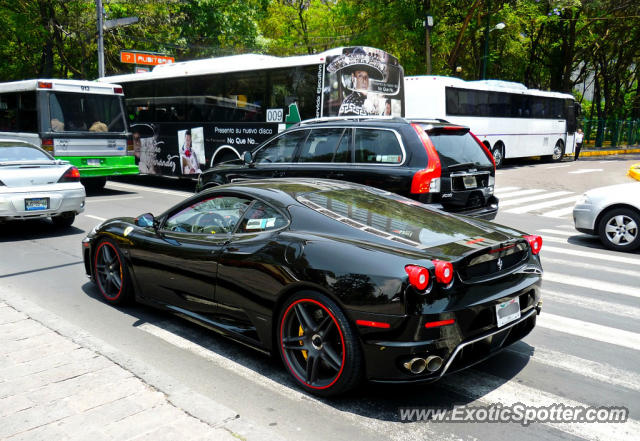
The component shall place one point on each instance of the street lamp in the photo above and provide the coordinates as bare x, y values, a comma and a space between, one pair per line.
487, 30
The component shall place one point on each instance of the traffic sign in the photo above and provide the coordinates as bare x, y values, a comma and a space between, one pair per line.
144, 58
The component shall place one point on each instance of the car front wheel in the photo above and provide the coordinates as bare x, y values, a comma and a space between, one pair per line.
64, 220
111, 274
618, 229
318, 345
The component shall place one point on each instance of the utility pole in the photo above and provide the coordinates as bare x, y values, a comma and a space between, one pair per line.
486, 41
428, 24
100, 40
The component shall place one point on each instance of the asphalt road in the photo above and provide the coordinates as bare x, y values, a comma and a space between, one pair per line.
585, 350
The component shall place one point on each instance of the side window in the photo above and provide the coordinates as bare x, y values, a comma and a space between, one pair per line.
9, 112
343, 152
261, 217
377, 146
211, 215
320, 145
280, 149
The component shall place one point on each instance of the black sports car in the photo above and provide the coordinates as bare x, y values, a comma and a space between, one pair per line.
344, 281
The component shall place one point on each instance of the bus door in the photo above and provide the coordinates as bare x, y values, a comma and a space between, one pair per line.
571, 126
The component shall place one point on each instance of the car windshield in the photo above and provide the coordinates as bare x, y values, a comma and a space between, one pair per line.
458, 146
77, 112
22, 153
388, 215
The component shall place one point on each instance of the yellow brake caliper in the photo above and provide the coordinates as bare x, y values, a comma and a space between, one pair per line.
300, 334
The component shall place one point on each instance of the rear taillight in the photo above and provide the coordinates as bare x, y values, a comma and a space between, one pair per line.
45, 85
47, 144
535, 242
428, 179
486, 150
444, 271
117, 90
419, 277
130, 146
71, 175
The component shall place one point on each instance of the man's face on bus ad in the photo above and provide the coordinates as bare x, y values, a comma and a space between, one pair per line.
360, 79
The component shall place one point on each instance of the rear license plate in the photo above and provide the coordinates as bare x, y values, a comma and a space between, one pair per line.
35, 204
469, 181
93, 161
508, 311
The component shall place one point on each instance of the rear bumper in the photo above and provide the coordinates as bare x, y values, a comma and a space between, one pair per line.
108, 166
12, 205
487, 212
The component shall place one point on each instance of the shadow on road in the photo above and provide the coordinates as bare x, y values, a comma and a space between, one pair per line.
20, 230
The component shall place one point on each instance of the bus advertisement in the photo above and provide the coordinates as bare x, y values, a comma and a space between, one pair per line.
186, 117
81, 122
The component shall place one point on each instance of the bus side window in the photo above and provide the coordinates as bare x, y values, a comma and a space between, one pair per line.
9, 112
28, 114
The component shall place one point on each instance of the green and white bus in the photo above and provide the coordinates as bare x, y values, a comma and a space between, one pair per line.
81, 122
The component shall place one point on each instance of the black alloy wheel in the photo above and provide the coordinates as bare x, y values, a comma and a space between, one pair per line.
498, 155
618, 229
110, 274
318, 346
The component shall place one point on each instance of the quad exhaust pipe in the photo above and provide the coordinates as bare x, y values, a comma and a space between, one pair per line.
418, 365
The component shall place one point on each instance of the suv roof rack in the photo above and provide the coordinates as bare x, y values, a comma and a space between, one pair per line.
352, 118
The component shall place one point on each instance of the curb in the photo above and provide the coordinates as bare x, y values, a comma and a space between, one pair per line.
634, 171
608, 152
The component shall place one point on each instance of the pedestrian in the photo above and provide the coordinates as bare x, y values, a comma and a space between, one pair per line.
579, 138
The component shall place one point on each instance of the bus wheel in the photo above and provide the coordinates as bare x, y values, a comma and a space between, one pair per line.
94, 184
558, 152
498, 154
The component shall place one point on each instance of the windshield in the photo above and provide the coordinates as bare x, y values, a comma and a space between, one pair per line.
459, 147
22, 153
389, 215
78, 112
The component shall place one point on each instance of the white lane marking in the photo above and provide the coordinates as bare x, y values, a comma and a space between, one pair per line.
594, 370
558, 166
147, 189
566, 227
95, 217
577, 253
590, 330
538, 197
499, 190
111, 199
558, 232
492, 389
533, 207
591, 303
585, 170
588, 267
599, 285
512, 194
562, 212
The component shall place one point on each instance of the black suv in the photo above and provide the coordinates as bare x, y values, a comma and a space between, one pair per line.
431, 161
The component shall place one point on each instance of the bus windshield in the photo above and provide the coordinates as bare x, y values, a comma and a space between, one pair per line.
75, 112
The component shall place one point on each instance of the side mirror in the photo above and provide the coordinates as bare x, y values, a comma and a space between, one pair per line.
146, 220
246, 157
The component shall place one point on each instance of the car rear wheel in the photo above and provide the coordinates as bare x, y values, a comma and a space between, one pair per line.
618, 229
110, 273
64, 220
318, 345
498, 154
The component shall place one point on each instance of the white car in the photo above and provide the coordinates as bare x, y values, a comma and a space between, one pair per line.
33, 184
613, 213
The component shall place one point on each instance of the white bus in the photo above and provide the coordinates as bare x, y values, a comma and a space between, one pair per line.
188, 116
82, 122
510, 119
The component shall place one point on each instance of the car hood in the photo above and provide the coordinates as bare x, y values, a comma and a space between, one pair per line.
629, 193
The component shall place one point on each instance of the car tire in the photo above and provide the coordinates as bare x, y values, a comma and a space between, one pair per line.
111, 274
64, 220
558, 152
619, 229
498, 154
94, 184
318, 346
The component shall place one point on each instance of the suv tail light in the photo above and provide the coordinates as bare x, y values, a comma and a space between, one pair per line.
428, 179
444, 271
47, 144
419, 277
71, 175
486, 150
535, 242
117, 90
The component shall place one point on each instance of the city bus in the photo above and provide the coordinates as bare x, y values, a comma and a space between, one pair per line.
188, 116
510, 119
81, 122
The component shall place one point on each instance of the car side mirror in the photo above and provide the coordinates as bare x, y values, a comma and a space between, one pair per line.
146, 220
246, 157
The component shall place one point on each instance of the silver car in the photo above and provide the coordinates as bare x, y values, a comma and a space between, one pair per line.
613, 213
33, 184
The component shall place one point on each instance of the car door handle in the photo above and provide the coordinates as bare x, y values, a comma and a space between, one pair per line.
337, 175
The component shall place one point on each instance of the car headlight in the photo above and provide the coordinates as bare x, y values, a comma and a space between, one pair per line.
584, 200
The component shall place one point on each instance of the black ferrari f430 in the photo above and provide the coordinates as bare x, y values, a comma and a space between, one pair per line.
345, 282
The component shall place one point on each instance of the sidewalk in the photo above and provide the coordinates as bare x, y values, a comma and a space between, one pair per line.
606, 151
55, 385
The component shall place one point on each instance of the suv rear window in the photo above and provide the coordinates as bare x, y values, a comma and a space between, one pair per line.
458, 147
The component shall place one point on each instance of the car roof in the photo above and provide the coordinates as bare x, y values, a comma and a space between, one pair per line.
373, 120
